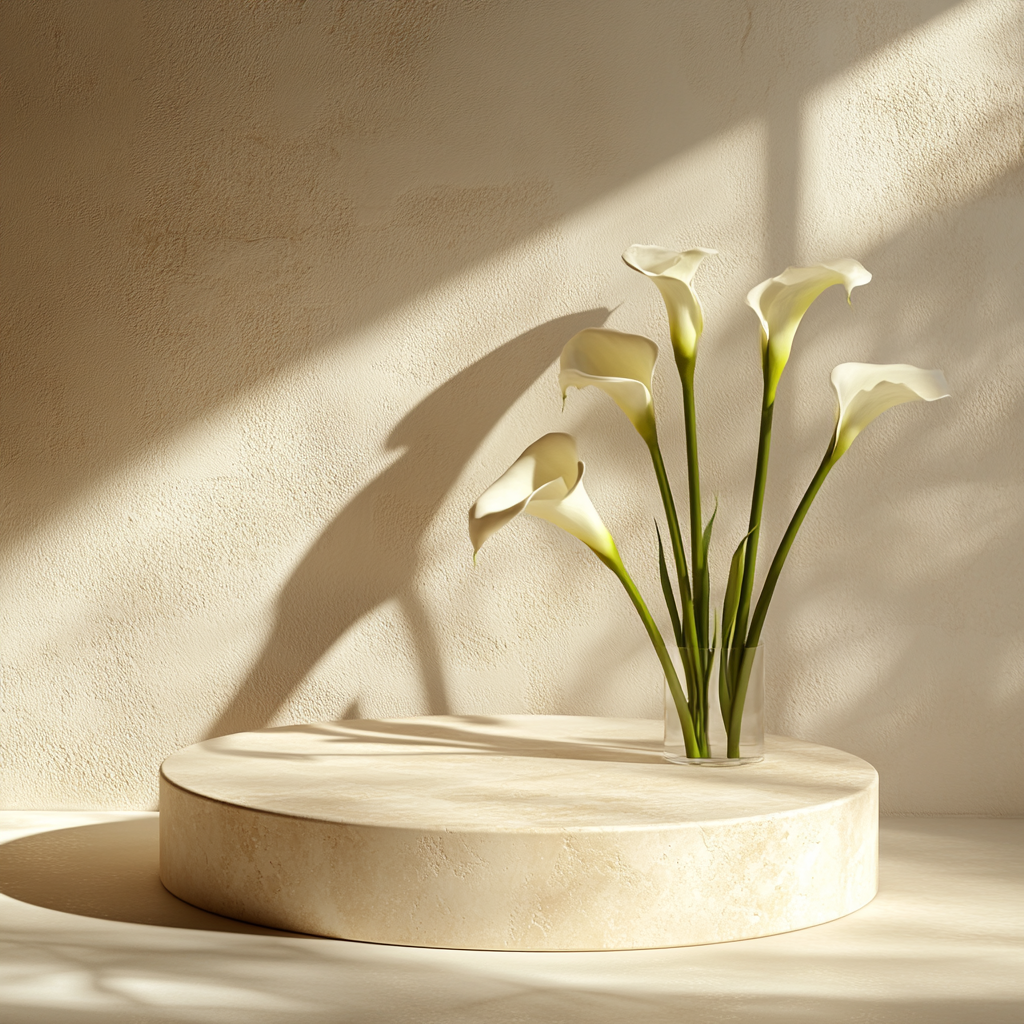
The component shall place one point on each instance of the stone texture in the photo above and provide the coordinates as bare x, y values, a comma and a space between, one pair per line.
517, 832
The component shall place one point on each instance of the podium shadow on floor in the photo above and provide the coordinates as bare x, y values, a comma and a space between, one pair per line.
110, 871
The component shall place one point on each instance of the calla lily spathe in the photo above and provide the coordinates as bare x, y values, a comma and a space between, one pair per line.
865, 390
780, 304
621, 365
545, 481
673, 273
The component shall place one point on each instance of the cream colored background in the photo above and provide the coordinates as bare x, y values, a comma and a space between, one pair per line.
284, 283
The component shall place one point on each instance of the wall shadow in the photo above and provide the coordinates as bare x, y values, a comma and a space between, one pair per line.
200, 196
370, 553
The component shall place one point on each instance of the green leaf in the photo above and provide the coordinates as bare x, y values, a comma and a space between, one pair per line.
712, 646
724, 688
666, 589
707, 532
732, 592
705, 590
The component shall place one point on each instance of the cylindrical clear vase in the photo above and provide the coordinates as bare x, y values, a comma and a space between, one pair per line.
720, 740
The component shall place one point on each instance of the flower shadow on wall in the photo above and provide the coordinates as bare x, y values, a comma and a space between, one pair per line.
369, 554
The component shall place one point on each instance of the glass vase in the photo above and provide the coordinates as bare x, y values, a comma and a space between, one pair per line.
746, 677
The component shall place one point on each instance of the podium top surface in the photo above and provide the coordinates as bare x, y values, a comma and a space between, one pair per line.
508, 773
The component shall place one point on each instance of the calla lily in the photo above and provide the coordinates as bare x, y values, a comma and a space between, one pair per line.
865, 390
545, 481
673, 273
621, 365
780, 304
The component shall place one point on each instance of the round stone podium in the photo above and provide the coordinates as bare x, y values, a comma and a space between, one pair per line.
525, 832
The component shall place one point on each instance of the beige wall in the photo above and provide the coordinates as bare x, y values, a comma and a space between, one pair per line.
283, 287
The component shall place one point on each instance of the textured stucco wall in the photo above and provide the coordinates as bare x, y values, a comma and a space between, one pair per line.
283, 286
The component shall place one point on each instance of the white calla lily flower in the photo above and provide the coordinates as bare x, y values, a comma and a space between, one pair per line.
673, 273
865, 390
545, 481
621, 365
780, 304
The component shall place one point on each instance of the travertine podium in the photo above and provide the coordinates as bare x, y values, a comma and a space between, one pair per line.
532, 832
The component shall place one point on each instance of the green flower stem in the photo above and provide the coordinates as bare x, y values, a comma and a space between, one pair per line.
757, 622
724, 695
761, 610
746, 663
764, 443
699, 706
617, 567
685, 595
700, 594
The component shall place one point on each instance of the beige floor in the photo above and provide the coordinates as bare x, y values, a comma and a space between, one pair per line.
88, 936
